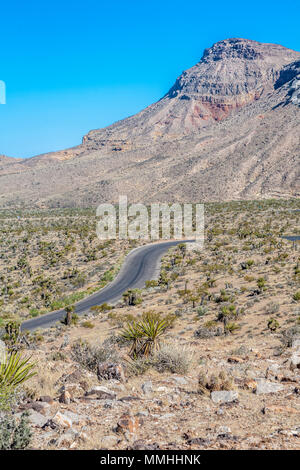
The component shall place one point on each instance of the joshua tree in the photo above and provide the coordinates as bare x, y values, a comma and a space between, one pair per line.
69, 314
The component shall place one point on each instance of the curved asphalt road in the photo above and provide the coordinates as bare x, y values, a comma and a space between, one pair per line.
140, 265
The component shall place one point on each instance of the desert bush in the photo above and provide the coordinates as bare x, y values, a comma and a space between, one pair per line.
272, 308
214, 382
137, 367
209, 330
273, 324
13, 435
149, 284
101, 308
223, 297
90, 356
201, 311
261, 284
289, 335
87, 324
172, 358
296, 296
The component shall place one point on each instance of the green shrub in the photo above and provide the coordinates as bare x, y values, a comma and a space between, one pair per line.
14, 436
296, 296
273, 324
87, 324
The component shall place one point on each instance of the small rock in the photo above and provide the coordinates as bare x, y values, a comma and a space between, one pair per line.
73, 389
102, 393
107, 442
75, 417
296, 344
250, 384
46, 399
141, 445
65, 398
147, 387
129, 424
223, 430
279, 409
295, 361
180, 380
143, 413
166, 416
108, 371
264, 386
37, 419
224, 396
235, 359
66, 439
162, 390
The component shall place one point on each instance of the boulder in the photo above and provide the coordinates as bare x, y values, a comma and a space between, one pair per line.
59, 420
265, 386
295, 360
224, 396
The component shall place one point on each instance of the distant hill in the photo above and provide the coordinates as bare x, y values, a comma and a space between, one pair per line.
229, 128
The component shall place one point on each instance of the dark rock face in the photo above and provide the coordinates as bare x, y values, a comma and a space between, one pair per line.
287, 74
227, 129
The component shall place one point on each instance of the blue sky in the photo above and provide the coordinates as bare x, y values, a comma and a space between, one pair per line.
74, 66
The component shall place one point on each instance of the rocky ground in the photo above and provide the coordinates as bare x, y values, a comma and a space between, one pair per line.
227, 374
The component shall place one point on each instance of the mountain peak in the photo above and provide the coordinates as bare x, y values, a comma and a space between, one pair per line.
245, 49
231, 73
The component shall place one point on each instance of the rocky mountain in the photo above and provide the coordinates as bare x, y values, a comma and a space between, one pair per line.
227, 129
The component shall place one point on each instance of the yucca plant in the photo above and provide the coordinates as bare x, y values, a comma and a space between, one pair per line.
132, 334
151, 331
144, 336
14, 371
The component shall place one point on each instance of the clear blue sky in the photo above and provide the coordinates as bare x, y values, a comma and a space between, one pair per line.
72, 66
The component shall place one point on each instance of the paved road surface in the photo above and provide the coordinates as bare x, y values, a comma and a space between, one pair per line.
140, 265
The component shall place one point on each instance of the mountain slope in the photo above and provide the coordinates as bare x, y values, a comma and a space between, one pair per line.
228, 129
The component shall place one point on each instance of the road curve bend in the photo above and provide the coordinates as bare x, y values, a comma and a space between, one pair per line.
140, 265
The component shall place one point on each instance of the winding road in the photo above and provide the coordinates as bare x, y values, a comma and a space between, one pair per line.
140, 265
